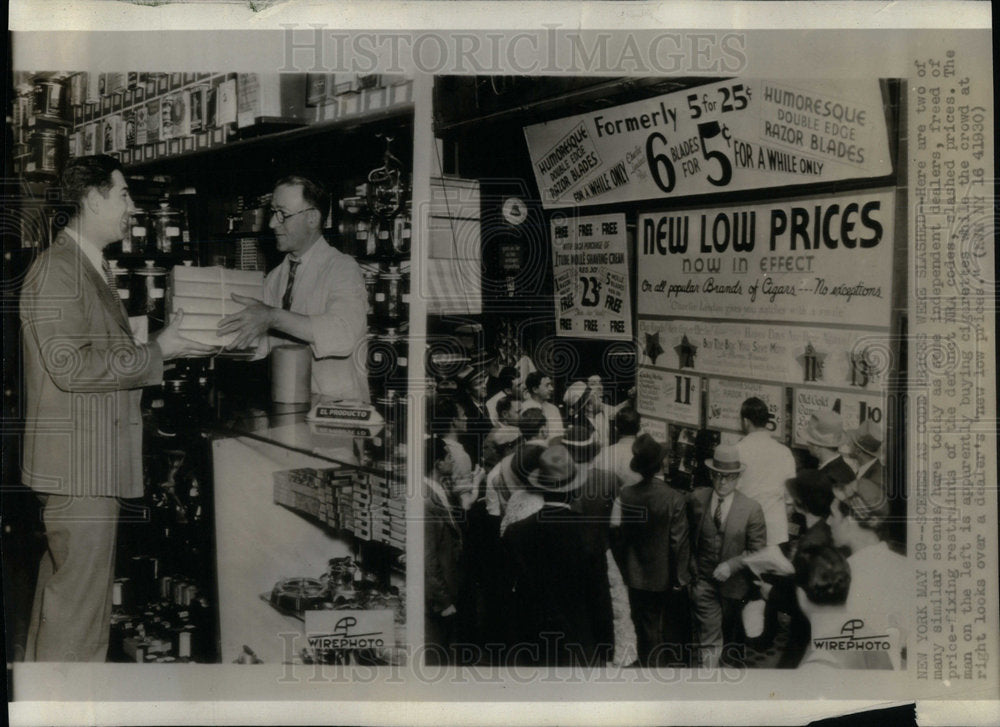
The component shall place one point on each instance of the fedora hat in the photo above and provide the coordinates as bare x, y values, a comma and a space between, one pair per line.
517, 468
557, 472
647, 455
581, 440
825, 429
725, 459
867, 437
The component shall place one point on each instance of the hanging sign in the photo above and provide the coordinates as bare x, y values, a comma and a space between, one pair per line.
816, 260
836, 358
726, 397
590, 275
731, 135
672, 395
854, 408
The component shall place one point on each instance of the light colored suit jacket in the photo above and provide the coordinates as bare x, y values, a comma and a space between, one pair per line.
83, 378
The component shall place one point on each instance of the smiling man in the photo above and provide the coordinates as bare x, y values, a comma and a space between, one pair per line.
316, 296
83, 379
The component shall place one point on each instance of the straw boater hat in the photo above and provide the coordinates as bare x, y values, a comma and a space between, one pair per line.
825, 429
557, 472
647, 455
575, 397
867, 437
725, 459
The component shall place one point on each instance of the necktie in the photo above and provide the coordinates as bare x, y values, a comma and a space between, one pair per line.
717, 517
286, 299
108, 276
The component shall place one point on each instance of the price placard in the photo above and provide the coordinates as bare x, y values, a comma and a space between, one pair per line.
732, 135
590, 277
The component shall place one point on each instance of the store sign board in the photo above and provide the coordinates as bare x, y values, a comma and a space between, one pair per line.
671, 395
350, 630
854, 408
817, 260
727, 136
591, 280
726, 396
655, 428
835, 358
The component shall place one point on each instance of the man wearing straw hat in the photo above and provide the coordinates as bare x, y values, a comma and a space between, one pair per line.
562, 611
725, 526
823, 436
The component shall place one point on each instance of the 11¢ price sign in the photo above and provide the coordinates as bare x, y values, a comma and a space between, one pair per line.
590, 276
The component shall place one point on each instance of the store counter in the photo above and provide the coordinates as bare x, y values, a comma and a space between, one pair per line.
290, 501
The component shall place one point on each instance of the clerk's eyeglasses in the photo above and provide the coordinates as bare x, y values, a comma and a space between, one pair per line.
281, 215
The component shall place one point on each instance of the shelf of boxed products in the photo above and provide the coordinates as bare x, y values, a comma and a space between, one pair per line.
143, 117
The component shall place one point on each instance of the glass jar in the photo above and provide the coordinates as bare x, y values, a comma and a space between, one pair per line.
168, 224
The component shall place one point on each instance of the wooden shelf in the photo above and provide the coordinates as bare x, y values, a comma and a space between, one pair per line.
345, 123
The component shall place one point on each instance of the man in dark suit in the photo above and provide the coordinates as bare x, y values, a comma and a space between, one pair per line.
83, 376
823, 436
651, 547
725, 526
559, 576
866, 441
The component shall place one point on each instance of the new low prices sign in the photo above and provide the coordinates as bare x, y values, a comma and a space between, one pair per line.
590, 276
731, 135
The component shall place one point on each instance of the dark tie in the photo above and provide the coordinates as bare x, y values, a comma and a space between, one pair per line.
717, 517
286, 299
109, 276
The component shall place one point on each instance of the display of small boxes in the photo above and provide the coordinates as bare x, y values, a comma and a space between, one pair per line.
205, 296
280, 95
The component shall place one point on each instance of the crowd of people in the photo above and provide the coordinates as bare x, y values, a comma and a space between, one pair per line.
559, 535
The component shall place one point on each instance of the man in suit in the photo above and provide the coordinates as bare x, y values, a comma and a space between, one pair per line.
823, 436
562, 611
866, 441
725, 526
651, 546
83, 376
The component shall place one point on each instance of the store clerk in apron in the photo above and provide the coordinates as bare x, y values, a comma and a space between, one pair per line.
316, 296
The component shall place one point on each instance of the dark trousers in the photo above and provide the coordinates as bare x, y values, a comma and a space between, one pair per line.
648, 609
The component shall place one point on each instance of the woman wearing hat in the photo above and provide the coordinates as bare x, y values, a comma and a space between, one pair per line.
725, 526
562, 611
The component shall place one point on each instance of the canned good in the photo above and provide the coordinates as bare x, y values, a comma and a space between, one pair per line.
371, 276
389, 296
354, 205
148, 289
383, 240
49, 150
387, 360
50, 99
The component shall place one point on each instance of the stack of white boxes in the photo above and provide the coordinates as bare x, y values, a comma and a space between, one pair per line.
205, 296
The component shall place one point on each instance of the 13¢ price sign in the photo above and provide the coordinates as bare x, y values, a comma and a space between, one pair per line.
590, 275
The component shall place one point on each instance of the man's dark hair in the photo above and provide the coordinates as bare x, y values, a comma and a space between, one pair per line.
445, 411
755, 411
84, 173
436, 451
825, 576
813, 490
314, 194
533, 380
506, 377
531, 422
627, 421
504, 404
